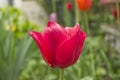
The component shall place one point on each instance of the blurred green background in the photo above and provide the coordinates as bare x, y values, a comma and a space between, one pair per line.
20, 58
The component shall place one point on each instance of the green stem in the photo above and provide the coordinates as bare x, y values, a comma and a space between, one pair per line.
92, 63
108, 64
86, 23
76, 13
61, 73
47, 72
118, 16
79, 70
54, 5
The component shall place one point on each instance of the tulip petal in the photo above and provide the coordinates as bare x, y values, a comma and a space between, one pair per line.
82, 37
84, 4
66, 51
44, 47
71, 31
54, 37
53, 24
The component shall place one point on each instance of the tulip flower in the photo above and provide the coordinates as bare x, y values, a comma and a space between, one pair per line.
60, 47
69, 6
84, 4
115, 14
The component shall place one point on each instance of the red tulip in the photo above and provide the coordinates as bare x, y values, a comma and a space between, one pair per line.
69, 5
115, 14
60, 47
84, 4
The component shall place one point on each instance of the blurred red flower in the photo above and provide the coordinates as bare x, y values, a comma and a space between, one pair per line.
69, 5
60, 47
84, 4
115, 14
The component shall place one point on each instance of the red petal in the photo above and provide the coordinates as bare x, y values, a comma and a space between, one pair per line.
66, 51
52, 24
54, 37
71, 31
82, 36
44, 47
84, 4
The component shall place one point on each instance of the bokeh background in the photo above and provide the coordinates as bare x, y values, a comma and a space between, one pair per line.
20, 58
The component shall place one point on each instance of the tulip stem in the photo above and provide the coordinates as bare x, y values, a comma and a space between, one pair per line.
54, 5
61, 73
76, 13
86, 22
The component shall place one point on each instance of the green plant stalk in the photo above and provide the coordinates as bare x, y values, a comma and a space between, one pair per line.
92, 63
107, 62
118, 16
79, 71
66, 15
86, 22
76, 13
47, 72
61, 73
54, 5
